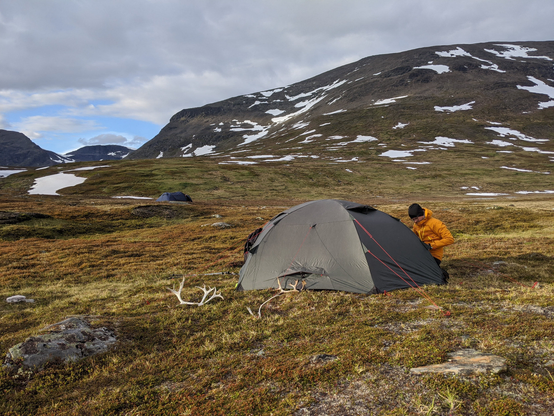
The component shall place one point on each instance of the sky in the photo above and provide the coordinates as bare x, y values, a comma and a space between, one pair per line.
86, 72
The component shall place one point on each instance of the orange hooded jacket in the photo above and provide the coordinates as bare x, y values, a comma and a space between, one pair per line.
433, 232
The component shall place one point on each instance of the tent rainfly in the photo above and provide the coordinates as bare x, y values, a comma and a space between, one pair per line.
174, 196
337, 245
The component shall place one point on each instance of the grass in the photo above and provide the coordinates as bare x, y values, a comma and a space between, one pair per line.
111, 261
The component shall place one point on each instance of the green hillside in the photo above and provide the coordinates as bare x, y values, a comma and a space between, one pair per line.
111, 260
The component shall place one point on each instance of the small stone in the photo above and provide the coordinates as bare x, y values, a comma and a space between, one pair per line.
19, 298
323, 358
221, 225
466, 362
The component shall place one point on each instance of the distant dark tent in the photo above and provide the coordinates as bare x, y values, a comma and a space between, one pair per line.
337, 245
174, 196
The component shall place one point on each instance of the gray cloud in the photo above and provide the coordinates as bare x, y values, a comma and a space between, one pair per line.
108, 138
35, 126
147, 59
104, 43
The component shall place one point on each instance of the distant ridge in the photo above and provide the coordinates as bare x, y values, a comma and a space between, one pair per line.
19, 150
99, 152
495, 96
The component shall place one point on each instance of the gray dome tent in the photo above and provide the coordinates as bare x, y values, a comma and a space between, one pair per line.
337, 245
174, 196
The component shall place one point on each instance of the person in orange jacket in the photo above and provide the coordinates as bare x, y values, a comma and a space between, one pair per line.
430, 230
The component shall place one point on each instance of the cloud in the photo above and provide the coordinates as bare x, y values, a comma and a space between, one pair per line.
14, 100
34, 127
145, 60
108, 138
102, 43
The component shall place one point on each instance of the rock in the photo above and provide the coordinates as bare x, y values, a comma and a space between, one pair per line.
466, 362
69, 340
221, 225
323, 358
217, 216
18, 298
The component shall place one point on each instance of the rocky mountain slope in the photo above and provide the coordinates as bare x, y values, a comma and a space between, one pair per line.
487, 98
19, 150
98, 152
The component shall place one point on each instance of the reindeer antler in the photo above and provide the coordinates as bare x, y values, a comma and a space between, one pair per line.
281, 292
215, 294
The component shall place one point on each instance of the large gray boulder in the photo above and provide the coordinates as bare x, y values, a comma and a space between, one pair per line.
69, 340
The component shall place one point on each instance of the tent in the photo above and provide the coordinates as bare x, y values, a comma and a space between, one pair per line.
174, 196
337, 245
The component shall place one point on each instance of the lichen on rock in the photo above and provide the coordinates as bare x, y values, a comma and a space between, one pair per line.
69, 340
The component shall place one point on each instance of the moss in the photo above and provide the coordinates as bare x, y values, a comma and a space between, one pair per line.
217, 359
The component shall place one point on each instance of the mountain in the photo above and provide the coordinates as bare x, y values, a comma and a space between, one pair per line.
496, 97
99, 152
19, 150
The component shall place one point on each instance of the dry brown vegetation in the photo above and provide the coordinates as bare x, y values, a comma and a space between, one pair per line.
111, 261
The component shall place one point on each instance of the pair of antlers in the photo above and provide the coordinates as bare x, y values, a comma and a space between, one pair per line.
215, 294
212, 290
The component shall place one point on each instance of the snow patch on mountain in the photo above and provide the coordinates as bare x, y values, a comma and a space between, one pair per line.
335, 112
204, 150
388, 100
540, 87
269, 93
400, 125
536, 150
452, 109
515, 51
275, 112
460, 52
310, 138
397, 153
439, 69
446, 141
186, 148
500, 143
506, 132
363, 139
453, 53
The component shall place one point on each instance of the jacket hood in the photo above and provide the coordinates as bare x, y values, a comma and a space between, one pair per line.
428, 213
